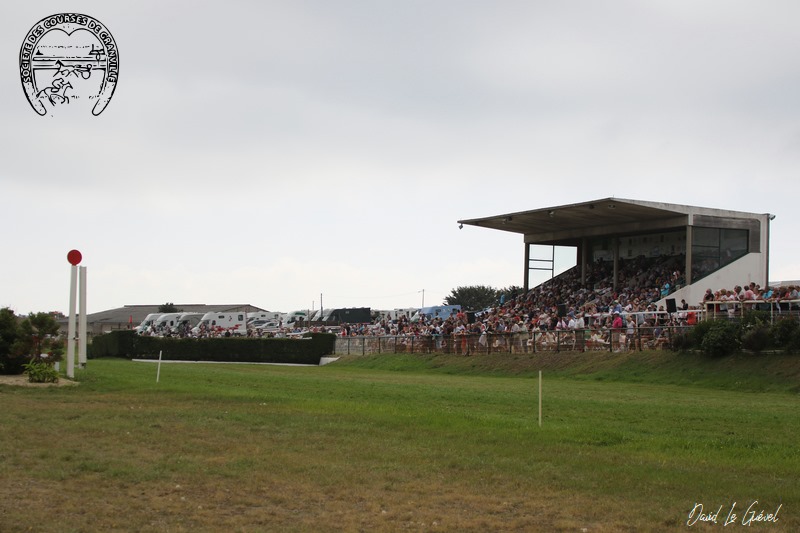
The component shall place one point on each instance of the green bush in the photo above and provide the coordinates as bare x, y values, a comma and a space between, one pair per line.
783, 330
720, 339
698, 332
754, 317
120, 343
793, 344
682, 342
756, 338
41, 372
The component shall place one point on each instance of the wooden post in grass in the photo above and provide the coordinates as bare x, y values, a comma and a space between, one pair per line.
540, 398
158, 372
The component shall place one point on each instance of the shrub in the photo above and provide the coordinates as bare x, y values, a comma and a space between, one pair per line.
783, 330
119, 343
720, 339
682, 342
753, 317
793, 344
40, 371
756, 338
698, 332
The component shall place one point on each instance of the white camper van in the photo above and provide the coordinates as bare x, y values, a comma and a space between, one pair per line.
166, 322
437, 311
397, 313
289, 319
232, 323
187, 321
271, 316
148, 321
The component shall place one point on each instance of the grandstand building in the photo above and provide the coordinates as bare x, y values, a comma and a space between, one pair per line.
710, 248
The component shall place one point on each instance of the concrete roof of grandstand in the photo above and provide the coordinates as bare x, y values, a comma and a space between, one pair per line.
567, 224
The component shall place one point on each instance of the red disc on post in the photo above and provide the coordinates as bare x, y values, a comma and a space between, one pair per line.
74, 257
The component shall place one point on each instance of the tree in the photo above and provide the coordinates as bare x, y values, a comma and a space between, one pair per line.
38, 334
9, 332
24, 341
473, 297
168, 307
510, 292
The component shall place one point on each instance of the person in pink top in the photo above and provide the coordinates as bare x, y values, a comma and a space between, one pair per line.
616, 328
748, 293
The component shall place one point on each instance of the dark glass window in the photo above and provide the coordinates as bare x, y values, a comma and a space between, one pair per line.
713, 248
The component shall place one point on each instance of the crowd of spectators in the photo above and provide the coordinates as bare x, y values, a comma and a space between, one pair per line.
752, 296
562, 305
605, 316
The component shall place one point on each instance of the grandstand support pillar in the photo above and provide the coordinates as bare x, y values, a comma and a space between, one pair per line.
583, 254
616, 263
688, 267
765, 248
526, 276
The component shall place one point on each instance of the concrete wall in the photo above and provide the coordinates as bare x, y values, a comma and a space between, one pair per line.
749, 268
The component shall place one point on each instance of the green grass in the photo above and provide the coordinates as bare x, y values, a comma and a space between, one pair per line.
441, 443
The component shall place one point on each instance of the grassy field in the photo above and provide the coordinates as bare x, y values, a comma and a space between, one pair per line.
434, 443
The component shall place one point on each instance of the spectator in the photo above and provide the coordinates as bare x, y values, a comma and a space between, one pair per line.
616, 328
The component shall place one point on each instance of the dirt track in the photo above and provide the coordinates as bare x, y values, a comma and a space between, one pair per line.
21, 380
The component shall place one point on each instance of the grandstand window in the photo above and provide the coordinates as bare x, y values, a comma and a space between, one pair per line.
647, 245
713, 248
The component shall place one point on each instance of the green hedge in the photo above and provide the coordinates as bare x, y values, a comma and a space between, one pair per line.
754, 333
306, 350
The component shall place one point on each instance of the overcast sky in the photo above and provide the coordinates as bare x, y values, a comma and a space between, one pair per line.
267, 152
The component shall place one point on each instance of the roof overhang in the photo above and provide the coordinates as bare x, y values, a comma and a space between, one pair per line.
567, 224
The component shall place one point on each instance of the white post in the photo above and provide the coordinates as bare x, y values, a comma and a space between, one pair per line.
73, 281
540, 398
82, 319
158, 372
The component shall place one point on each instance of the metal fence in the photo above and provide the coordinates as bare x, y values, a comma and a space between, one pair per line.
643, 338
736, 310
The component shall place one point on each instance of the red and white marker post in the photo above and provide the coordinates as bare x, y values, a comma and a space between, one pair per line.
74, 257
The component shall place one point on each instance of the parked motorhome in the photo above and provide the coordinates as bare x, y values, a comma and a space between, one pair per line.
350, 315
166, 322
233, 323
148, 321
395, 314
264, 325
436, 311
272, 316
187, 321
292, 317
